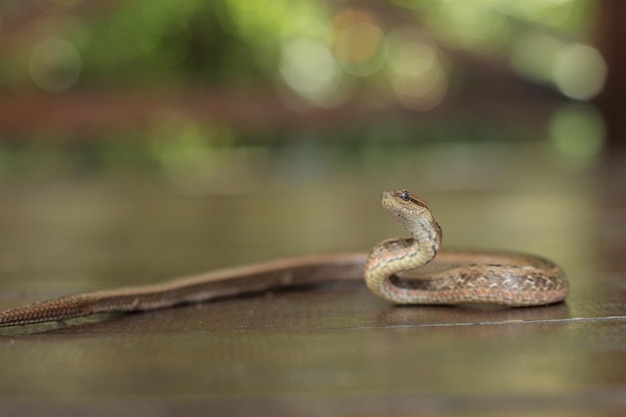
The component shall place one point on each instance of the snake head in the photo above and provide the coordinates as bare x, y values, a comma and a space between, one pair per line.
412, 212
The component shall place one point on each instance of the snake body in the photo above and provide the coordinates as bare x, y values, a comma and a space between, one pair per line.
456, 277
402, 271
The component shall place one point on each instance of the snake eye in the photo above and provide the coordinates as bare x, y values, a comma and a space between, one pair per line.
405, 195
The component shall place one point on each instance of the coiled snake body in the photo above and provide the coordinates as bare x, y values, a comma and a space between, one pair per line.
398, 270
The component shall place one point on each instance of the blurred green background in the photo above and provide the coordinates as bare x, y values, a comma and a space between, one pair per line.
153, 138
192, 87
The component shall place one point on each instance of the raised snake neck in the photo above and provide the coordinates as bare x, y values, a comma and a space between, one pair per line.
467, 277
448, 278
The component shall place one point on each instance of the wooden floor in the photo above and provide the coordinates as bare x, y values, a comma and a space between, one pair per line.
335, 350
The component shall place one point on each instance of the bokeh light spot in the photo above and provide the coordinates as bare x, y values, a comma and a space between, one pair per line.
578, 133
579, 71
415, 71
54, 64
357, 39
182, 146
357, 45
309, 69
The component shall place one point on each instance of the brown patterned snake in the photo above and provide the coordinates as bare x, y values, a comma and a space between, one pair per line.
451, 277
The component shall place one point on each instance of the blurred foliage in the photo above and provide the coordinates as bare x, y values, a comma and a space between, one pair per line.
216, 42
184, 150
228, 42
311, 53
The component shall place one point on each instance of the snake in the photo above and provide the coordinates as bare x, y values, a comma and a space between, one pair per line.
400, 270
